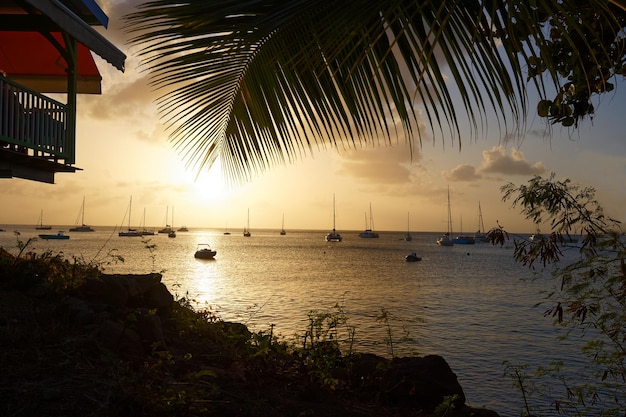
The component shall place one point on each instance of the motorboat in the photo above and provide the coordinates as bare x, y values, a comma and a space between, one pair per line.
60, 235
204, 251
183, 229
412, 257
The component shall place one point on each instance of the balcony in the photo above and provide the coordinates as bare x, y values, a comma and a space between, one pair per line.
46, 47
34, 134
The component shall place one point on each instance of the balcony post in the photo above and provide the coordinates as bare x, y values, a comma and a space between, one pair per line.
72, 68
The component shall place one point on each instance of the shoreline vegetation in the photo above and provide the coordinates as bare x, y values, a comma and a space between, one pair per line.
79, 342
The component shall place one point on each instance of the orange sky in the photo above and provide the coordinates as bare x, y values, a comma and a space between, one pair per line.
124, 151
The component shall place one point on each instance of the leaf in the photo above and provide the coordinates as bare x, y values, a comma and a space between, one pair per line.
543, 108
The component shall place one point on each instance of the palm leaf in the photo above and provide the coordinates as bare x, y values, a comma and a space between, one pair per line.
258, 83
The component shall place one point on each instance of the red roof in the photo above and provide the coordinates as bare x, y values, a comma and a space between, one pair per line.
30, 59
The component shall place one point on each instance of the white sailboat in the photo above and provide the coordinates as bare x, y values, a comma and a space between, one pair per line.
83, 227
333, 236
446, 239
369, 232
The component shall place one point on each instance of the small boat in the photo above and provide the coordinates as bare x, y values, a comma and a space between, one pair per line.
183, 229
171, 234
83, 227
40, 225
446, 239
204, 251
369, 232
412, 257
282, 230
58, 236
333, 236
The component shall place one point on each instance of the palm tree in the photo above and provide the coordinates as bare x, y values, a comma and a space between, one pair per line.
257, 83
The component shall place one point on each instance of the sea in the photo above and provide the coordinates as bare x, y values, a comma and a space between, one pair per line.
472, 304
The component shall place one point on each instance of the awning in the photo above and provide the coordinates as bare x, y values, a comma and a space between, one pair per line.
69, 22
31, 60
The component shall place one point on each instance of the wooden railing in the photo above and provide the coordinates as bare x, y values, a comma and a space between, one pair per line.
33, 124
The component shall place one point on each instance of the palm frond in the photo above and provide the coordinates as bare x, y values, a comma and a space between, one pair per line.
260, 82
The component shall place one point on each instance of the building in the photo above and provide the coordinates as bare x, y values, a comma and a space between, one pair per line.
46, 47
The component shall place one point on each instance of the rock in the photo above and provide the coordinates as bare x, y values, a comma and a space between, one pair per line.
421, 383
121, 339
367, 371
134, 291
150, 329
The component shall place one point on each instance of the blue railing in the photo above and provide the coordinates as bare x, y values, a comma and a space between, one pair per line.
33, 124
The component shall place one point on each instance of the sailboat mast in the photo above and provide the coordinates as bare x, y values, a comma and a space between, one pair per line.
449, 214
333, 212
82, 220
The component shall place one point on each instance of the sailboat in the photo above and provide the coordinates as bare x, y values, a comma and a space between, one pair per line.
40, 226
464, 239
408, 236
144, 231
480, 235
446, 239
83, 227
369, 233
246, 230
333, 236
130, 232
172, 233
167, 229
282, 230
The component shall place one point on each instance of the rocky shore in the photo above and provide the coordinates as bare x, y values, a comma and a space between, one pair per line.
77, 342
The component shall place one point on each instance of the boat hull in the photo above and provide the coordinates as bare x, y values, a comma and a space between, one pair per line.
57, 236
464, 240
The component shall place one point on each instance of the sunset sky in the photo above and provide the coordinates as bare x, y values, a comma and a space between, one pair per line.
123, 151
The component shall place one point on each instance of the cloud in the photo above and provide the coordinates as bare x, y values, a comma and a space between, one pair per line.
496, 161
463, 172
381, 165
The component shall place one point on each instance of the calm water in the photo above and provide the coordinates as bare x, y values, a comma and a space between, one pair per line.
472, 304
